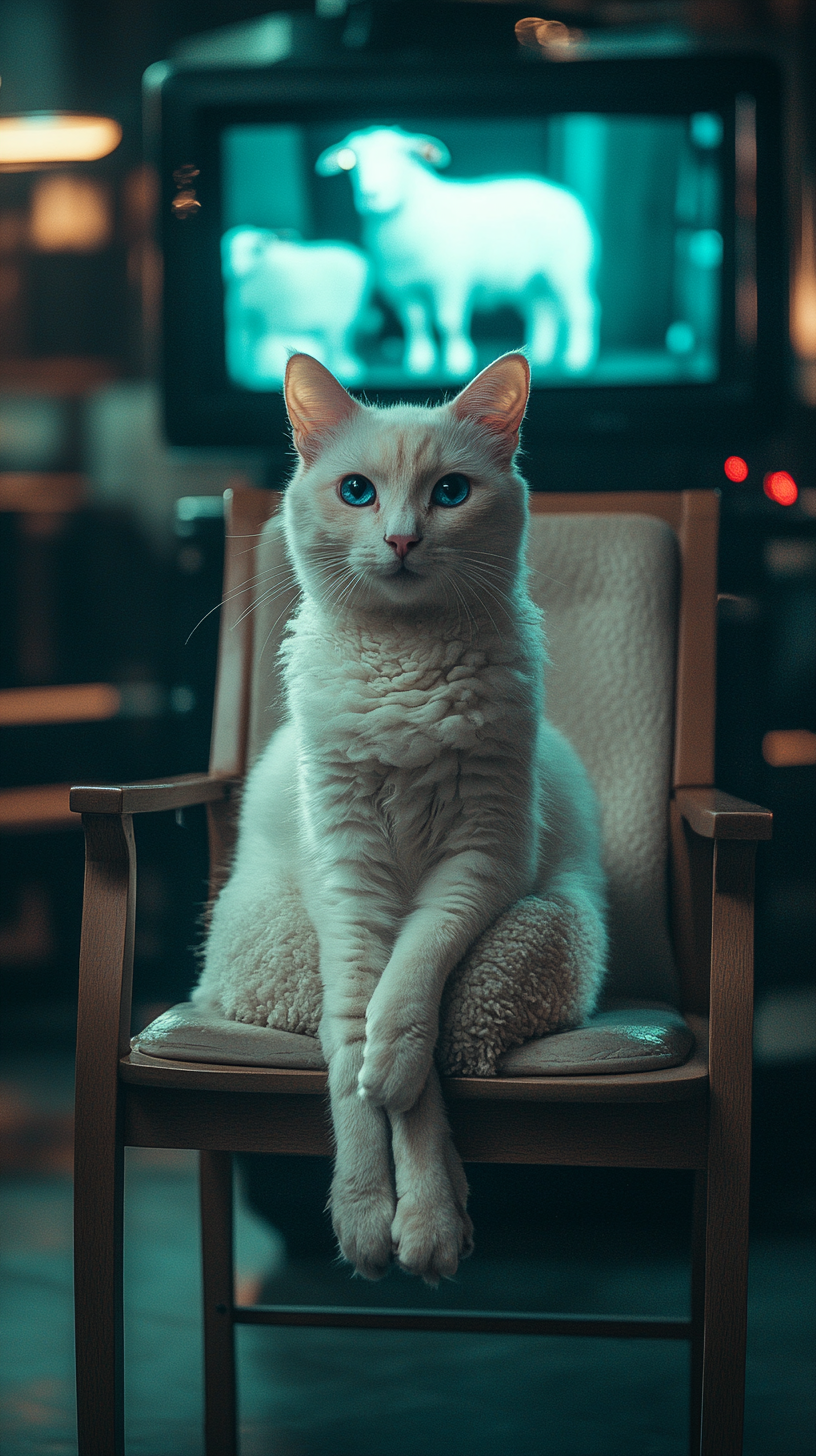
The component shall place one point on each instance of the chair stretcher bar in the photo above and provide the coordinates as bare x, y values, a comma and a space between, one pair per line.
464, 1322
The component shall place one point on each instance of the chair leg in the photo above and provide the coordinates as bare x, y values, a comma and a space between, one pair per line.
725, 1319
98, 1197
698, 1255
220, 1429
729, 1151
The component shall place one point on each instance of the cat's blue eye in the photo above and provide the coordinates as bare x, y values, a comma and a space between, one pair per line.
451, 490
357, 490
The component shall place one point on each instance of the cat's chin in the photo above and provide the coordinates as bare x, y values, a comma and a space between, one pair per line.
403, 579
403, 589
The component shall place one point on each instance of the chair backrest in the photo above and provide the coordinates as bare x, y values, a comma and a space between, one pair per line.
628, 586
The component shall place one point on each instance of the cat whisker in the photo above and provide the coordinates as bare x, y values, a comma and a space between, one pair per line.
489, 570
479, 570
348, 589
505, 602
230, 597
487, 610
447, 602
524, 565
488, 573
201, 620
286, 571
463, 601
267, 596
335, 579
332, 598
247, 551
444, 577
498, 555
270, 632
251, 583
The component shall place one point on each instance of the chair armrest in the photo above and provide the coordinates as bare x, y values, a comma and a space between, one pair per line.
179, 792
714, 815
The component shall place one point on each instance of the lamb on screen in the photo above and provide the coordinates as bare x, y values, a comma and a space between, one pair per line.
283, 295
443, 247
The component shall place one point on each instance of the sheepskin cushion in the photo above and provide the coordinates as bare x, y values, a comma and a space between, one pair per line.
520, 979
506, 1007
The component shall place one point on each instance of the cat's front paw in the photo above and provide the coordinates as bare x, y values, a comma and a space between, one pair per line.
396, 1063
431, 1235
362, 1218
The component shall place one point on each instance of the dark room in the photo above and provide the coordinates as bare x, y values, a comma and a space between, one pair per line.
407, 468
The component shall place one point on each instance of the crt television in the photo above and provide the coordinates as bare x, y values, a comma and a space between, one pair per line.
619, 220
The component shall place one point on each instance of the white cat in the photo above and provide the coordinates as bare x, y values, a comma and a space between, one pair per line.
416, 790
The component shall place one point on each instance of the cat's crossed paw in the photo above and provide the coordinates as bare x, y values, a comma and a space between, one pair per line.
362, 1219
431, 1235
396, 1063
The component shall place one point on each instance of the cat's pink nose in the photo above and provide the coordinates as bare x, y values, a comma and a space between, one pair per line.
402, 544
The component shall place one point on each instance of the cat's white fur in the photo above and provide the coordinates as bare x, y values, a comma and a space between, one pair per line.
416, 790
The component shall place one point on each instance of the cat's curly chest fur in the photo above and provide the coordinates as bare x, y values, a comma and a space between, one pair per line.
404, 700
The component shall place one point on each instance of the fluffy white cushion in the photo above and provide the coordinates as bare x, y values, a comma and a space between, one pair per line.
521, 979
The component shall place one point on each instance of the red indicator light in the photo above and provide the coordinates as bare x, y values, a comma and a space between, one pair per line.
736, 468
780, 487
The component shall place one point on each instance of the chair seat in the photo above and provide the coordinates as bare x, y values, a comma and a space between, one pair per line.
626, 1037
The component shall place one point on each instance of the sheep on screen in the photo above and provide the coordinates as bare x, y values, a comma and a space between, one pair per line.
442, 248
285, 296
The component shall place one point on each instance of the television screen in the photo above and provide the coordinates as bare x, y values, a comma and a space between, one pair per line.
417, 251
408, 221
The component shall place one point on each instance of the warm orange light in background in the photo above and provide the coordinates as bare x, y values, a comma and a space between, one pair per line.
781, 487
70, 214
56, 136
736, 468
789, 748
73, 703
41, 807
803, 313
803, 290
548, 35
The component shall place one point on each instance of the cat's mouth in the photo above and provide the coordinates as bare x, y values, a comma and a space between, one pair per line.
401, 571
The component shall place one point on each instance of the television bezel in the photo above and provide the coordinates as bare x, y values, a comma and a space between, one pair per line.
203, 408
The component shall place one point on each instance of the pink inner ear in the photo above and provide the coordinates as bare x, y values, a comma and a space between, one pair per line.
315, 401
497, 398
499, 424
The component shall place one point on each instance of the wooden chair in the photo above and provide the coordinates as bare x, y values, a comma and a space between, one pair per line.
694, 1116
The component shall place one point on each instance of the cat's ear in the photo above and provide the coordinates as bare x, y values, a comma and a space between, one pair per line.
315, 403
497, 399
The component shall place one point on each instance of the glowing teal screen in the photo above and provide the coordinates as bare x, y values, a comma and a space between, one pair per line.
414, 253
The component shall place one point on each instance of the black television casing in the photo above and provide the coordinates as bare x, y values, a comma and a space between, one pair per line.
203, 408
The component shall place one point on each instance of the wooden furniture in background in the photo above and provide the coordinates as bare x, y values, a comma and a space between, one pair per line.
696, 1116
36, 807
35, 491
59, 376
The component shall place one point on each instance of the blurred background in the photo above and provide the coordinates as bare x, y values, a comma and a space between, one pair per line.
111, 549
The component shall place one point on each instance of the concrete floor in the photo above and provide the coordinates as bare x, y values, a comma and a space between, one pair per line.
312, 1393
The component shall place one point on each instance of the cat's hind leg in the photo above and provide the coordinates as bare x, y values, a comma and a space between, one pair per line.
431, 1231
